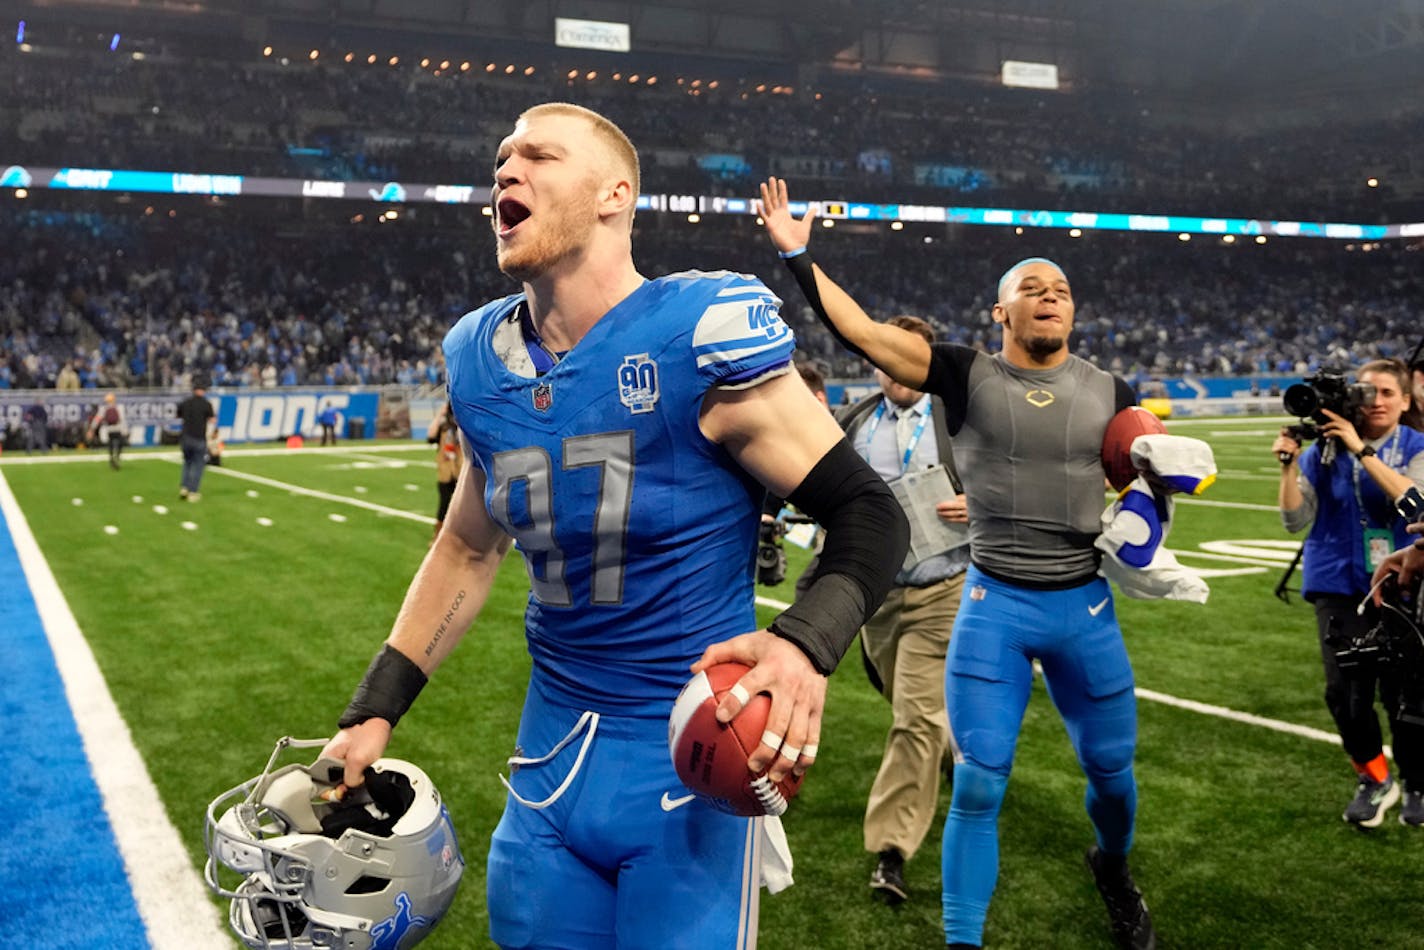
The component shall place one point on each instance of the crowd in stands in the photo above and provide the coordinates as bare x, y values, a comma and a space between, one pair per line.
950, 143
266, 299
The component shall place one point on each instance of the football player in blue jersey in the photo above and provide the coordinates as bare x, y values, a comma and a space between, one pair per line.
624, 431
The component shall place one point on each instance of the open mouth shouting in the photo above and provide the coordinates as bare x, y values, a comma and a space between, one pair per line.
509, 215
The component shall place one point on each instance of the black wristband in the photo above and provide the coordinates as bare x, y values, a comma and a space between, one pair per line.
866, 539
803, 269
390, 685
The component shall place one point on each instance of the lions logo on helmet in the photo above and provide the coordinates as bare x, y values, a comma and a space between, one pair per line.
375, 871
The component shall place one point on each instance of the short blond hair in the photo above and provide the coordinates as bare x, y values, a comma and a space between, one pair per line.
619, 145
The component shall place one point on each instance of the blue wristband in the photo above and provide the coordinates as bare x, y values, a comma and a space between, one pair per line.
794, 252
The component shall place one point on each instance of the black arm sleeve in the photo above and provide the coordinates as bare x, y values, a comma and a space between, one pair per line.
866, 539
803, 269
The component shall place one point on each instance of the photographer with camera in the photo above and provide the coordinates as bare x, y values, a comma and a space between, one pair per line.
1349, 487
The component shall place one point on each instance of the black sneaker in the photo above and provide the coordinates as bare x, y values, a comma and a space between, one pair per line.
888, 878
1131, 923
1372, 800
1412, 811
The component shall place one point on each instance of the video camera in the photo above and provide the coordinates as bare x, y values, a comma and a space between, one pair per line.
770, 555
1326, 389
1396, 641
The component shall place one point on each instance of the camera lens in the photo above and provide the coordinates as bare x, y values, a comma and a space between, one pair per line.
1300, 399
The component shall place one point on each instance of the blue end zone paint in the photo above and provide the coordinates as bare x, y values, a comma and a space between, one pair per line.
62, 881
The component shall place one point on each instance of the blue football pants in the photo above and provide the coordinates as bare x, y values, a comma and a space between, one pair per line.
1001, 629
624, 857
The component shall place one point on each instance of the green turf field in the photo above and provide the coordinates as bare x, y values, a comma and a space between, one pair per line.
224, 624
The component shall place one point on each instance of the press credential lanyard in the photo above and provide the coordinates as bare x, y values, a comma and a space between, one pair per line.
914, 436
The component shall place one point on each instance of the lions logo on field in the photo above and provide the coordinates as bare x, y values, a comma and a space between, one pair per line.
638, 383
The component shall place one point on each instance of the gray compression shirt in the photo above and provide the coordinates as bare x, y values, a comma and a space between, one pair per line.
1029, 446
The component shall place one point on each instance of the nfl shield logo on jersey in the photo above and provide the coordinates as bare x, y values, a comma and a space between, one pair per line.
638, 383
543, 396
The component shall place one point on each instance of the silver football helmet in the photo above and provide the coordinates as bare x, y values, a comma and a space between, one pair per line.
375, 871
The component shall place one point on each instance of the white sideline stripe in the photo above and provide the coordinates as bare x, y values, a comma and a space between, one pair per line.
1191, 705
325, 496
171, 898
1226, 504
143, 455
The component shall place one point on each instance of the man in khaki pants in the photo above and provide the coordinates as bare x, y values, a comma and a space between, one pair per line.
900, 431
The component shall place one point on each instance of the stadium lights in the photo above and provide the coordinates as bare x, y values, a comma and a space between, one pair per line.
22, 192
25, 47
1076, 233
617, 77
425, 63
266, 51
528, 70
509, 70
489, 68
138, 56
827, 223
1228, 239
694, 218
314, 54
394, 60
371, 60
894, 225
760, 221
573, 73
928, 239
1372, 182
465, 66
652, 80
1018, 230
487, 211
444, 64
591, 75
633, 78
350, 57
1184, 237
1260, 239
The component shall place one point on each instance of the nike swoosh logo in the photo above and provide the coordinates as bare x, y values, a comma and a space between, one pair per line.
1094, 611
669, 803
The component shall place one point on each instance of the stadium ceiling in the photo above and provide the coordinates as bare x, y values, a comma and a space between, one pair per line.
1165, 45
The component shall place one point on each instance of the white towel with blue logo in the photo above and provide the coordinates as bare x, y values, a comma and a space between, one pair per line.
1136, 524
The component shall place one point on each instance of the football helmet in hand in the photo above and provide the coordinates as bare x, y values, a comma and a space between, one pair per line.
375, 870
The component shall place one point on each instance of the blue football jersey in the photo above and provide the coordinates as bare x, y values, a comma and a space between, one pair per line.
637, 532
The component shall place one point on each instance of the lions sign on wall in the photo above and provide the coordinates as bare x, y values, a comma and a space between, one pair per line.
268, 416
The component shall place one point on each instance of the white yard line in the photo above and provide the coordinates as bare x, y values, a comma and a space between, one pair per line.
171, 897
325, 496
1191, 705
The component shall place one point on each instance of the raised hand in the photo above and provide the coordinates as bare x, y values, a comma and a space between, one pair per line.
786, 232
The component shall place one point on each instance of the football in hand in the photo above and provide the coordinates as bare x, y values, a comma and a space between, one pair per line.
711, 757
1122, 429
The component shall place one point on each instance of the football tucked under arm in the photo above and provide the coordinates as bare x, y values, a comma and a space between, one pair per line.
1123, 429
